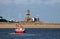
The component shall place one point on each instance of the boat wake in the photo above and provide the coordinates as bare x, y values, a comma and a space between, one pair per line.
22, 34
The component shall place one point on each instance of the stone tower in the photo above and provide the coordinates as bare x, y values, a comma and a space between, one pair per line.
27, 18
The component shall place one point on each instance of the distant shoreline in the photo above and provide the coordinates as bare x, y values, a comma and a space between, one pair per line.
13, 25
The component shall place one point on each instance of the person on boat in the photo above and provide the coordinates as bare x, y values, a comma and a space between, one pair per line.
19, 26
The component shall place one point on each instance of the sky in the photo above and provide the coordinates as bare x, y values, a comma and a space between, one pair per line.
46, 10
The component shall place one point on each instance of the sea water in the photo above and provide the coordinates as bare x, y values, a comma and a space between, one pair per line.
31, 33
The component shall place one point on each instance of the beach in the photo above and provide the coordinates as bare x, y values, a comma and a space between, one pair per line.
13, 25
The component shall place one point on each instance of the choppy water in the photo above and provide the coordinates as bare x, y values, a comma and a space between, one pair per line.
31, 33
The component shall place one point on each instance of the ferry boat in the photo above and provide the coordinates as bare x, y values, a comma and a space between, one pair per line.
19, 29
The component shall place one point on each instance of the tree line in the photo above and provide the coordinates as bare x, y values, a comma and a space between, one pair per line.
2, 19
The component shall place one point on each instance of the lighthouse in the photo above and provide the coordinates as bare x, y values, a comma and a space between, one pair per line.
27, 18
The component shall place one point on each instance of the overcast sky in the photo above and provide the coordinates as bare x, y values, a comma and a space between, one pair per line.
46, 10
